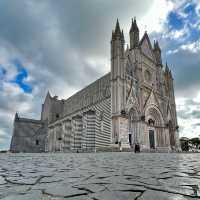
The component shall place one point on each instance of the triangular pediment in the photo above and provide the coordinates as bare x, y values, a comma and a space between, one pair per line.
146, 47
48, 97
152, 99
168, 111
132, 100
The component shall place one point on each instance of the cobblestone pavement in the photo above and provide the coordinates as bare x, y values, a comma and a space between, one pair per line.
99, 176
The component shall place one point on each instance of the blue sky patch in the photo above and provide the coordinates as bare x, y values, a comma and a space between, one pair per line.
21, 76
175, 21
194, 34
190, 10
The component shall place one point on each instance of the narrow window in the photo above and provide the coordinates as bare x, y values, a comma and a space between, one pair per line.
37, 142
57, 116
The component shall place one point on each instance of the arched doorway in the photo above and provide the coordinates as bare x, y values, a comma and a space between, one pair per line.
155, 127
151, 123
133, 127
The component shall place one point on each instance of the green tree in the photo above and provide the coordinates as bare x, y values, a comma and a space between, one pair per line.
195, 141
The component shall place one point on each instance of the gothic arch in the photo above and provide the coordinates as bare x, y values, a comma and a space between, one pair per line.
133, 126
170, 116
133, 114
171, 126
153, 114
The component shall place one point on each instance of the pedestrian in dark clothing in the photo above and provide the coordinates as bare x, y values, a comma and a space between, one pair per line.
137, 148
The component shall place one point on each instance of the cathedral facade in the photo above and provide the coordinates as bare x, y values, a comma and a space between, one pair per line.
133, 104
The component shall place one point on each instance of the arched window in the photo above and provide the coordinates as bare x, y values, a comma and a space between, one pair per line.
155, 120
36, 142
57, 116
151, 122
154, 117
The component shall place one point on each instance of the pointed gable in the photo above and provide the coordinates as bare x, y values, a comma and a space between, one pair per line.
48, 96
16, 116
132, 98
146, 47
152, 99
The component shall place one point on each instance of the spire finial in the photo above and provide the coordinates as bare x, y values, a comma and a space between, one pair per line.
117, 27
48, 94
16, 116
134, 26
122, 35
156, 45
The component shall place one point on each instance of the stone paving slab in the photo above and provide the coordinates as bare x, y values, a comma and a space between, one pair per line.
100, 176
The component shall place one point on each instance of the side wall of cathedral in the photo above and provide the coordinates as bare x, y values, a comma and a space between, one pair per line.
85, 122
84, 130
29, 136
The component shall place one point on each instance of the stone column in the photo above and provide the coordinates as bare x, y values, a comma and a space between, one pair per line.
50, 130
77, 131
58, 137
67, 134
88, 137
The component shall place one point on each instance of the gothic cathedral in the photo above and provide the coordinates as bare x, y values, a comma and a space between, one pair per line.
132, 105
142, 93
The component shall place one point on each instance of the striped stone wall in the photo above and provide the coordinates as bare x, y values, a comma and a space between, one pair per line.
85, 130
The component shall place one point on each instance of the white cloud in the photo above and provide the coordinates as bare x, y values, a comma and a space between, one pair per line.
193, 47
10, 89
172, 51
197, 98
189, 115
177, 35
2, 133
98, 62
155, 18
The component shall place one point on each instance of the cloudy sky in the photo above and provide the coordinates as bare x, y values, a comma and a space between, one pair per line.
63, 45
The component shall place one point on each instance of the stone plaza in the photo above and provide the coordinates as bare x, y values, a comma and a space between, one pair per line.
99, 176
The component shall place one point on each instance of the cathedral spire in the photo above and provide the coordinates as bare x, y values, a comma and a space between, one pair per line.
134, 34
157, 53
117, 33
48, 93
16, 116
122, 36
156, 46
117, 28
117, 41
134, 26
168, 71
